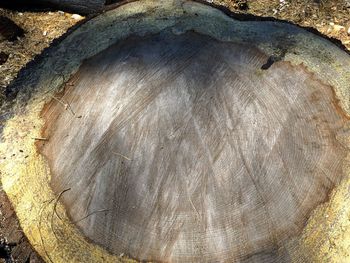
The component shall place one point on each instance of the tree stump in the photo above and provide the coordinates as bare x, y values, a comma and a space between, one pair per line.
172, 131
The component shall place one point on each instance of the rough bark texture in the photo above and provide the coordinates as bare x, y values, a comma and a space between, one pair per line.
193, 137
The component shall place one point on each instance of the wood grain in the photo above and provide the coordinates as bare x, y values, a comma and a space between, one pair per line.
181, 149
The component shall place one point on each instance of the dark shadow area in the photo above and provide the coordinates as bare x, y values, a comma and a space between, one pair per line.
71, 6
9, 30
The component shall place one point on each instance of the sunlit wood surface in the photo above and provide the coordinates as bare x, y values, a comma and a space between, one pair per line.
182, 149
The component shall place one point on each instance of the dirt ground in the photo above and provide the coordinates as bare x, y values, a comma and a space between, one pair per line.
330, 17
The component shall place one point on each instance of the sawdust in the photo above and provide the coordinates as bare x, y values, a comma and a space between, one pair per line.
40, 29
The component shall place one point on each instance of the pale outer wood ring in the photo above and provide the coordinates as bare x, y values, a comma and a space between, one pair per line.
25, 178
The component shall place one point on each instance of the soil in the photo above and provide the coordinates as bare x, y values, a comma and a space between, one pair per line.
330, 17
14, 246
40, 29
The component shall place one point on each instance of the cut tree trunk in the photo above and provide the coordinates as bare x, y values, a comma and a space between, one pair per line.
175, 132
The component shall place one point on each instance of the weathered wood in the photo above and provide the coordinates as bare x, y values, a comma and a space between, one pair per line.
186, 151
169, 131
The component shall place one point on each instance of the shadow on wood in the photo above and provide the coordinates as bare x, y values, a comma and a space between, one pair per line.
189, 152
171, 132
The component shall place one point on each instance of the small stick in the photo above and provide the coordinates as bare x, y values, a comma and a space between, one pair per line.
90, 214
55, 211
58, 198
121, 155
59, 101
65, 105
40, 138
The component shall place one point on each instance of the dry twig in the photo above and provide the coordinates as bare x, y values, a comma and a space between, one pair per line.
90, 214
40, 139
65, 105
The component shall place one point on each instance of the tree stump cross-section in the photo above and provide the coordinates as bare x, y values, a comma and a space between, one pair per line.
187, 151
177, 141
